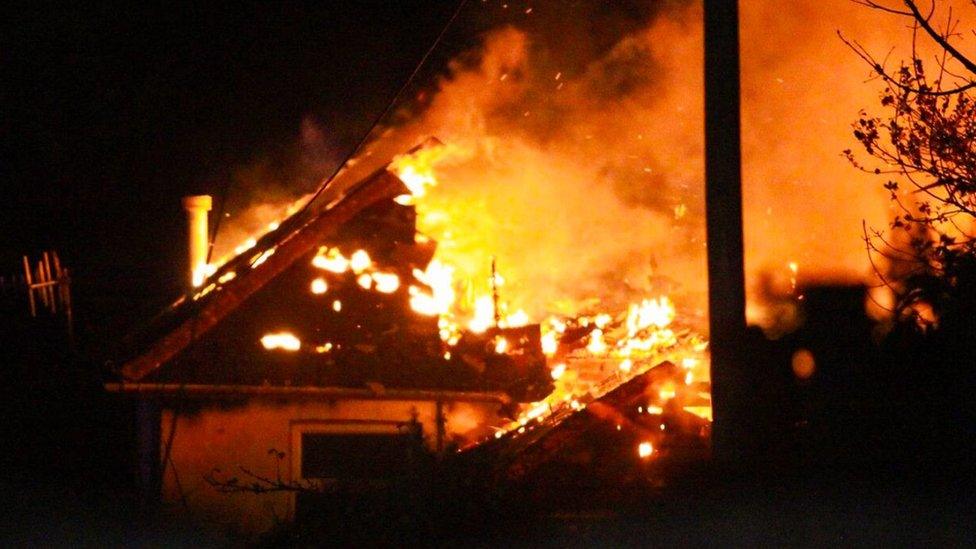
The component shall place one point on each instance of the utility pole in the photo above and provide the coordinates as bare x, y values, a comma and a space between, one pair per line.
723, 204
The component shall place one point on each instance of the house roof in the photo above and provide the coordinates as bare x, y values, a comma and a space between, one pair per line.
192, 316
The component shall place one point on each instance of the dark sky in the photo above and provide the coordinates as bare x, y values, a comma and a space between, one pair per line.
110, 115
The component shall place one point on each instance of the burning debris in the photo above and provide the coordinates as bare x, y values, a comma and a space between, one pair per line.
370, 298
584, 356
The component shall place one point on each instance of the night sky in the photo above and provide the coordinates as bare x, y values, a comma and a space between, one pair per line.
111, 114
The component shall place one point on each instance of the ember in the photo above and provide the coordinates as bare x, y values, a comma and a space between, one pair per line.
281, 340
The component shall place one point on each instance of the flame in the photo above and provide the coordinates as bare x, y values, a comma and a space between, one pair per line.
501, 344
597, 345
245, 246
650, 312
438, 277
259, 259
416, 170
484, 314
704, 412
202, 272
515, 320
550, 343
423, 302
324, 348
285, 341
331, 259
386, 283
458, 293
360, 261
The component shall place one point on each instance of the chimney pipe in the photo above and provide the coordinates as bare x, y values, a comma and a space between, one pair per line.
198, 235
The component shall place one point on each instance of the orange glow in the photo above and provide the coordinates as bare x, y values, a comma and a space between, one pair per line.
803, 363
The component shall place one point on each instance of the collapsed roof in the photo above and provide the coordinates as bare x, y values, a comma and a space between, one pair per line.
349, 336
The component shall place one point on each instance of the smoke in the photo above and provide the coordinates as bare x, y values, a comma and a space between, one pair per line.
586, 181
264, 190
569, 175
581, 151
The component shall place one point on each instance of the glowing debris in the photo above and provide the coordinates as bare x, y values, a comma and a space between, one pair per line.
484, 315
597, 345
645, 449
319, 286
324, 348
330, 259
285, 341
260, 259
550, 343
359, 261
386, 283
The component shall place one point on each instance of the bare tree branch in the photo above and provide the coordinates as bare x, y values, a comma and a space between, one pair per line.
939, 39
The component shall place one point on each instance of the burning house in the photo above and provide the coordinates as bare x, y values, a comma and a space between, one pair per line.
337, 336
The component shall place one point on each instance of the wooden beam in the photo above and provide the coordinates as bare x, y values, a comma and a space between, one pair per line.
311, 392
723, 204
382, 186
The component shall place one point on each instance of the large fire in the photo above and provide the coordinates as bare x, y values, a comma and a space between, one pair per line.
589, 350
588, 353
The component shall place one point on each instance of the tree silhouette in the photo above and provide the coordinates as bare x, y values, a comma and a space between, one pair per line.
924, 144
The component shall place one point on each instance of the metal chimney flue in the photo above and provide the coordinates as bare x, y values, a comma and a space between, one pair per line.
198, 235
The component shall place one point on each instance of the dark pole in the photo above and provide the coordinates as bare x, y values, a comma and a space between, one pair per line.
723, 204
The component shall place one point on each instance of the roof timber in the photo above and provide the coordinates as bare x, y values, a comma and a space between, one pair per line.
381, 186
372, 392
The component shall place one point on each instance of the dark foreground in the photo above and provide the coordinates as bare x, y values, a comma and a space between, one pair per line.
759, 508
